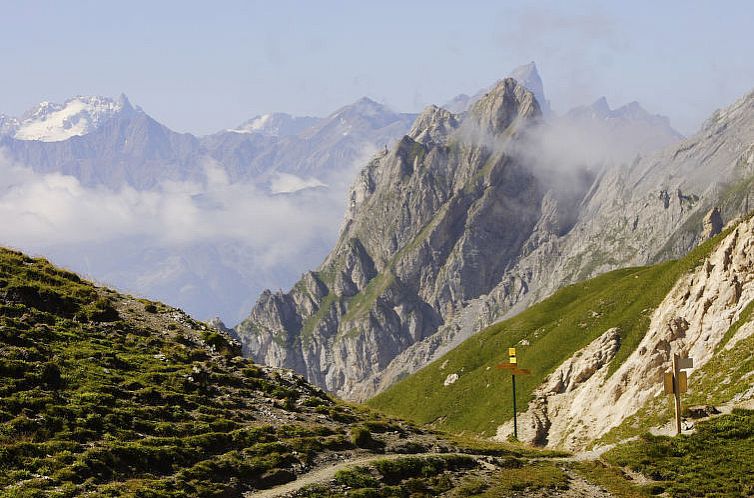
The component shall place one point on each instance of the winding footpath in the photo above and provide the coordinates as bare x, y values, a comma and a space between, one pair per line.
325, 474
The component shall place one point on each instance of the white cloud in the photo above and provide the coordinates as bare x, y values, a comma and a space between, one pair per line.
51, 209
209, 246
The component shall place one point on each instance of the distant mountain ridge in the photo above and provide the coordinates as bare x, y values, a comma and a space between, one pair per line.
49, 122
112, 145
277, 124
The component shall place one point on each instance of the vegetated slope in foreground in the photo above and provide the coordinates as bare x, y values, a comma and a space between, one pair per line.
106, 394
546, 334
717, 460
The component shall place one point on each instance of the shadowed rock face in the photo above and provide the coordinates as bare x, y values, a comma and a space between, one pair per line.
464, 222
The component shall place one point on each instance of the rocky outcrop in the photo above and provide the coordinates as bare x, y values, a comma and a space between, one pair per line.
550, 419
580, 402
713, 223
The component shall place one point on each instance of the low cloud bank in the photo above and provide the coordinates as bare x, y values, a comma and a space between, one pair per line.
209, 246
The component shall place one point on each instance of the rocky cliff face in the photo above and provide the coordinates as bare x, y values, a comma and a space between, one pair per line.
433, 223
647, 211
579, 401
470, 218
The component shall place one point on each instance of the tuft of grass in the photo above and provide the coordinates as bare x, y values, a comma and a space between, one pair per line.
612, 479
529, 479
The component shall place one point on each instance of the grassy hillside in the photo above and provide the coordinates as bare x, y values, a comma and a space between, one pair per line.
545, 335
718, 460
108, 395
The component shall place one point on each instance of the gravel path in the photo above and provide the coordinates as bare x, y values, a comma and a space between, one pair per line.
325, 474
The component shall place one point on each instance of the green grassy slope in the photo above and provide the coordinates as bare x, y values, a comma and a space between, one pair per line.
718, 460
107, 395
480, 399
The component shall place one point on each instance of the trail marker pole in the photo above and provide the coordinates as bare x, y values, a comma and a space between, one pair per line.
512, 365
676, 382
515, 421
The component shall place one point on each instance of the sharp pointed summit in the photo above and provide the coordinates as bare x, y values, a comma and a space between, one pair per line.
528, 76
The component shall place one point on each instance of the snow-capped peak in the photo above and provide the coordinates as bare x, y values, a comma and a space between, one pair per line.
277, 124
50, 122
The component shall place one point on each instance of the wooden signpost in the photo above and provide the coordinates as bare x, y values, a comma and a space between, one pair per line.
676, 382
512, 365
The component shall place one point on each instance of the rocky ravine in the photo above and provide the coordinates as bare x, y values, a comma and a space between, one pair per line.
578, 402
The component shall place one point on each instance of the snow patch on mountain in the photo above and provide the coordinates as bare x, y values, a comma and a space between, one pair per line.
276, 124
50, 122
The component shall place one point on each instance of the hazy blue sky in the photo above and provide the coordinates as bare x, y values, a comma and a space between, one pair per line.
204, 66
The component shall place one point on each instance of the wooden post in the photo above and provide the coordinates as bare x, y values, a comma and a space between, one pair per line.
677, 393
676, 382
512, 365
515, 421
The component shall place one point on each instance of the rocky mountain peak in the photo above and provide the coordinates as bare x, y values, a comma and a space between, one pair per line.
364, 107
600, 107
528, 76
51, 122
506, 103
433, 125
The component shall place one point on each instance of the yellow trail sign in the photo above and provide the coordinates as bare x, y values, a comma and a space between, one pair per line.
667, 380
683, 383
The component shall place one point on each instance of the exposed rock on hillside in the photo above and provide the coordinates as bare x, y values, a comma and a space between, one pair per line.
579, 401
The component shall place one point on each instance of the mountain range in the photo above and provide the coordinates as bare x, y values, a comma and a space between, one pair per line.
283, 170
482, 214
300, 167
599, 244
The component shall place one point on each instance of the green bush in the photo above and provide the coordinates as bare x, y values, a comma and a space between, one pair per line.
357, 477
361, 437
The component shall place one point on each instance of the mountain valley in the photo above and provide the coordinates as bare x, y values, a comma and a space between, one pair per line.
598, 243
